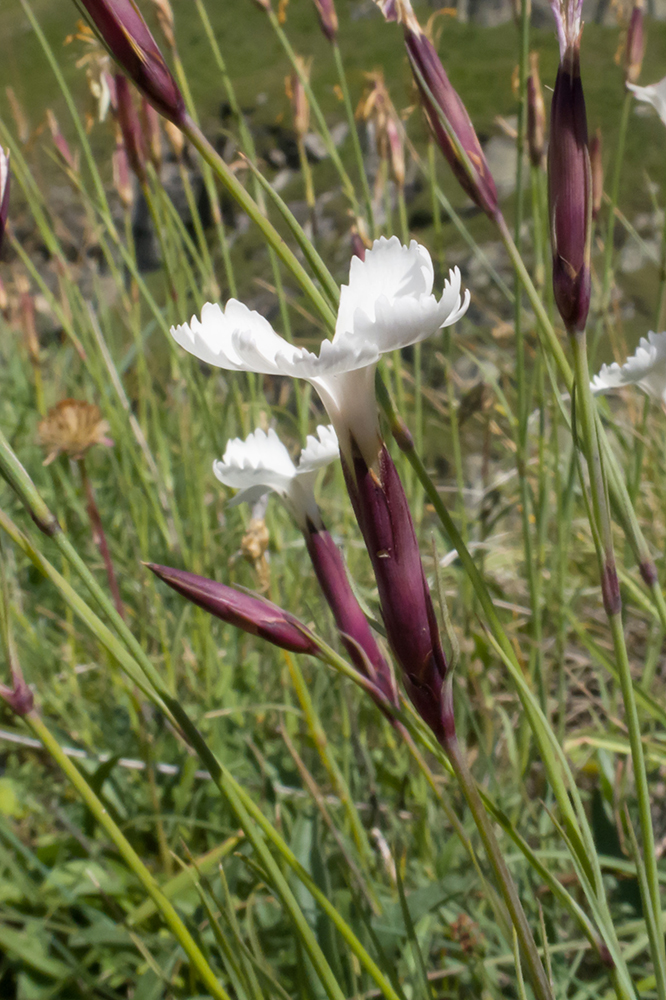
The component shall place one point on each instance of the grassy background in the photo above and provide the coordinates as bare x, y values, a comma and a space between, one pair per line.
50, 844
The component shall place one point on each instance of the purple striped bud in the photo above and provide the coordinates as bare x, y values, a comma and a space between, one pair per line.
635, 49
251, 614
128, 39
536, 114
383, 516
328, 19
130, 126
446, 113
356, 634
570, 193
4, 191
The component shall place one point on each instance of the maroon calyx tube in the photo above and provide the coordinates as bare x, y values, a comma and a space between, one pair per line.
383, 515
247, 612
356, 634
570, 193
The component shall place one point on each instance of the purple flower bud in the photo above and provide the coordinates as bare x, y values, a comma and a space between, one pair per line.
358, 246
570, 193
444, 109
635, 50
4, 191
328, 19
130, 126
332, 576
383, 515
251, 614
126, 35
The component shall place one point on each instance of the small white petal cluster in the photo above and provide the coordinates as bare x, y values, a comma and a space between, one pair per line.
388, 304
261, 463
646, 369
655, 95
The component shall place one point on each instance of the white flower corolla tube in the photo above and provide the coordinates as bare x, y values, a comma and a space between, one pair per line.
655, 95
388, 304
262, 463
646, 369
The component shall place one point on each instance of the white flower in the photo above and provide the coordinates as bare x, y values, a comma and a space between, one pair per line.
655, 95
646, 369
388, 304
261, 463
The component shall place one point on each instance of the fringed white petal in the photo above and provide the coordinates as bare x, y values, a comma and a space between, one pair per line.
655, 95
320, 450
646, 369
258, 464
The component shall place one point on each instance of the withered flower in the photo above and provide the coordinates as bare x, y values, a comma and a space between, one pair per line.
635, 48
72, 427
376, 107
536, 114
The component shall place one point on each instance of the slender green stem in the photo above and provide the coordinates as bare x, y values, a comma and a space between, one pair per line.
537, 973
613, 605
129, 855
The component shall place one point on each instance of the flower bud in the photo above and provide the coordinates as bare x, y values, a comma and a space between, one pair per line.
126, 35
382, 512
357, 244
570, 193
328, 19
356, 634
61, 143
130, 126
122, 179
4, 191
299, 100
397, 150
635, 48
444, 110
151, 123
597, 168
536, 114
251, 614
19, 698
